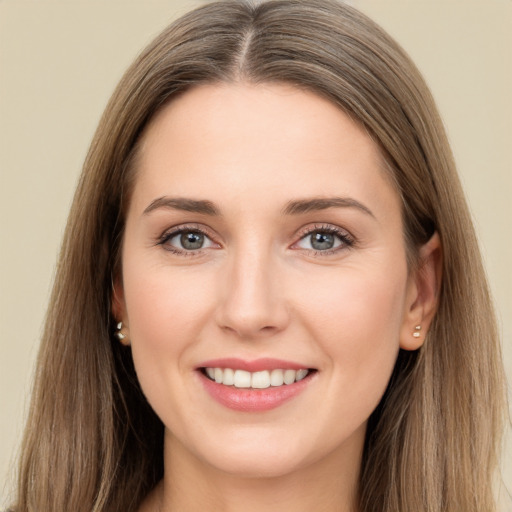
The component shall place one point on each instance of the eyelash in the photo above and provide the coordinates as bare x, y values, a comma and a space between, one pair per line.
347, 241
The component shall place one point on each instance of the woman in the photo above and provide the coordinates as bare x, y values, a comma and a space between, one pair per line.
269, 293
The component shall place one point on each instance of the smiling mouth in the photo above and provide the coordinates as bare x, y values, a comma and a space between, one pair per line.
243, 379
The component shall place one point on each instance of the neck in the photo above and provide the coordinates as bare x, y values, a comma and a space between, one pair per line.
192, 485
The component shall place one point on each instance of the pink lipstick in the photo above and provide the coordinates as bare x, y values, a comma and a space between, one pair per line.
254, 386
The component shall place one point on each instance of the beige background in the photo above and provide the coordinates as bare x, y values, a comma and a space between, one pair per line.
59, 62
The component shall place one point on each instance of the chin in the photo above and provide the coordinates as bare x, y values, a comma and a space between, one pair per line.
261, 466
260, 453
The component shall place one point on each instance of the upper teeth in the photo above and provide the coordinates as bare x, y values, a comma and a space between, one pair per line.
257, 380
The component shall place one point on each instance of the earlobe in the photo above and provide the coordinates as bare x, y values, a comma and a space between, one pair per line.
422, 295
119, 312
122, 335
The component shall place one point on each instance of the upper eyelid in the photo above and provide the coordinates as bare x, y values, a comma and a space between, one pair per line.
303, 231
332, 228
180, 228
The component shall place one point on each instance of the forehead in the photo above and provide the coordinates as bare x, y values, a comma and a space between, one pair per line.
234, 139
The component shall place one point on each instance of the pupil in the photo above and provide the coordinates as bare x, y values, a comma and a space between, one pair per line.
192, 241
322, 241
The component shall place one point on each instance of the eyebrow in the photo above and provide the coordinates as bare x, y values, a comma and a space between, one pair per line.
322, 203
296, 207
187, 205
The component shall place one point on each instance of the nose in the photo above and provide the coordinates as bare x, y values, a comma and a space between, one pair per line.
253, 302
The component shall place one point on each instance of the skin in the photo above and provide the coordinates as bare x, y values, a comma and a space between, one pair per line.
258, 289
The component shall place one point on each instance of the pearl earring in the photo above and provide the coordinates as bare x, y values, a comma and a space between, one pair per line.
120, 335
416, 332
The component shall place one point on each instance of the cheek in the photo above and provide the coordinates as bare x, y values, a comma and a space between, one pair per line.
162, 305
356, 320
166, 312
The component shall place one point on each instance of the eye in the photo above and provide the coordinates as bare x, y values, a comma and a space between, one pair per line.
325, 239
320, 241
186, 240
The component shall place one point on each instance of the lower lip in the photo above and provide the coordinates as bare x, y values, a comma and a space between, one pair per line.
253, 400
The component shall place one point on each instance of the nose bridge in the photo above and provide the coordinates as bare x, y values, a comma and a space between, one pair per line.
253, 303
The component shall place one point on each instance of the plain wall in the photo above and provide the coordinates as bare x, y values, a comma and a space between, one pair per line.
59, 62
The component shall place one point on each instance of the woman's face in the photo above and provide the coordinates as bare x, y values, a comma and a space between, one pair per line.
263, 238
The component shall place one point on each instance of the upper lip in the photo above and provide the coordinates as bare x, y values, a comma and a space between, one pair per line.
256, 365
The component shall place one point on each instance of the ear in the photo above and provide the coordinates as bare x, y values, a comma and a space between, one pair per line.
119, 312
118, 304
422, 295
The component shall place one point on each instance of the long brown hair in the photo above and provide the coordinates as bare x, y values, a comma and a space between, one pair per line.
92, 442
